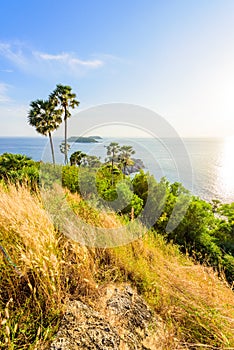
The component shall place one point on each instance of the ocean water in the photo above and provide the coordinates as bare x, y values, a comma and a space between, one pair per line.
203, 165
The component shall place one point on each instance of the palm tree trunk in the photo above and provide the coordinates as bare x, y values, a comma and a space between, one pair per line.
65, 137
52, 148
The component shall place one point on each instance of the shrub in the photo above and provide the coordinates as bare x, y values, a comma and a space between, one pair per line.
70, 178
17, 168
228, 264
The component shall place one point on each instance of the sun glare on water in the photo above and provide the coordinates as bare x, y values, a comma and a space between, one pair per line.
226, 173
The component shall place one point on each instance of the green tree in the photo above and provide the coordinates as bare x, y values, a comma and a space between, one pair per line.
107, 178
125, 156
62, 147
64, 98
70, 178
113, 150
12, 164
18, 168
140, 184
77, 157
45, 118
225, 228
91, 161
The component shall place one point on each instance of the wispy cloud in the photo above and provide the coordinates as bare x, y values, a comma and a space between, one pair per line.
13, 53
4, 98
40, 63
6, 70
70, 60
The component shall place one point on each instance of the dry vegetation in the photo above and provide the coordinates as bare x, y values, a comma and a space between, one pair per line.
40, 269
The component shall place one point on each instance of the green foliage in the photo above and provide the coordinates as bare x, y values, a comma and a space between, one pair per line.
134, 207
120, 156
77, 157
10, 163
107, 178
195, 222
63, 99
153, 194
91, 161
70, 178
125, 157
201, 233
46, 115
228, 265
113, 150
122, 196
45, 118
62, 147
50, 174
155, 202
228, 211
140, 184
207, 250
87, 183
19, 168
206, 231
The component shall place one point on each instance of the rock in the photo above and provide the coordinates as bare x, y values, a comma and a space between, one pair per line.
138, 164
120, 320
84, 328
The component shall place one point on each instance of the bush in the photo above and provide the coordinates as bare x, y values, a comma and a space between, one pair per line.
228, 264
17, 168
70, 178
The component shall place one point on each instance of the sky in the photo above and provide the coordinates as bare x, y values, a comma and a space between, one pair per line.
174, 57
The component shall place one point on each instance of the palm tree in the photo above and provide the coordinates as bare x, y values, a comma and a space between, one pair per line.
125, 157
45, 118
63, 97
62, 147
92, 161
112, 152
77, 157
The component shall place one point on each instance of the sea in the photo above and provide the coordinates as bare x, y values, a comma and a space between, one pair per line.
203, 165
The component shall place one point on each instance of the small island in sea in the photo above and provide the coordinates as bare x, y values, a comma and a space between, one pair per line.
82, 139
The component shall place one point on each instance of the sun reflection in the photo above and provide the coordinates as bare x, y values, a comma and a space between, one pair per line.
226, 173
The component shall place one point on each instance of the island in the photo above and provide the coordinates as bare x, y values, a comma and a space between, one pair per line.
82, 139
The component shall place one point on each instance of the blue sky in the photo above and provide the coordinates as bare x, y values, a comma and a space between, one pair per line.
174, 57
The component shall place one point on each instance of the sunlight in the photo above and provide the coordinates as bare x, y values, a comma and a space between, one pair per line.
226, 173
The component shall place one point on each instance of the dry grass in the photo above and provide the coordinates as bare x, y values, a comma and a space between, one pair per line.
91, 215
197, 308
196, 305
50, 268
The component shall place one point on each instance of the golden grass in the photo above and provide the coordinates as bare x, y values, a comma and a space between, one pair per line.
91, 215
51, 268
197, 307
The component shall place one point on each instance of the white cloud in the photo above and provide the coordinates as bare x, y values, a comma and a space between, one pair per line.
13, 54
69, 59
6, 70
47, 64
91, 64
46, 56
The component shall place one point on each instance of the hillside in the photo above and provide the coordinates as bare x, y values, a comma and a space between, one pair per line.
42, 272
